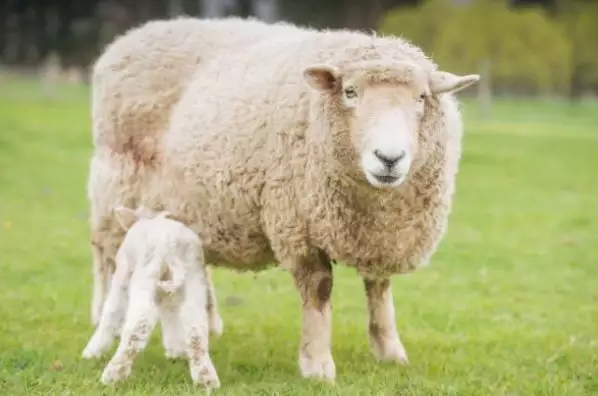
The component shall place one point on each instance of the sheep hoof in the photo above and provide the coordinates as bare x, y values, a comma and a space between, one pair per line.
321, 368
390, 352
400, 359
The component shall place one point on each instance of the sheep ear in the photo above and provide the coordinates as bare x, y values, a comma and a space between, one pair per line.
126, 217
322, 77
444, 82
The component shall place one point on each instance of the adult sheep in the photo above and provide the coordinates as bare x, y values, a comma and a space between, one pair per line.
136, 82
302, 149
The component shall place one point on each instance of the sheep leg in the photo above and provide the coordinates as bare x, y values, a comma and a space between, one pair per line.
172, 335
105, 242
101, 281
141, 319
194, 320
313, 279
384, 338
113, 311
216, 324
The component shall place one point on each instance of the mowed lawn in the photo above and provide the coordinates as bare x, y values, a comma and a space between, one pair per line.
508, 306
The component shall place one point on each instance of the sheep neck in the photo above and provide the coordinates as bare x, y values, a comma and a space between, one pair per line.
382, 230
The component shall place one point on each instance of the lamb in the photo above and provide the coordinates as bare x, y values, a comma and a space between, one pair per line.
159, 274
137, 81
300, 150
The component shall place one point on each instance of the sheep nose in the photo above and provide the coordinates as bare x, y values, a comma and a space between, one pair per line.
388, 160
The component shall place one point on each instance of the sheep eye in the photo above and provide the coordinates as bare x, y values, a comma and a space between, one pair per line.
350, 93
422, 96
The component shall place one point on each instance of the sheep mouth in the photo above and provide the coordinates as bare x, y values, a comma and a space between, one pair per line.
386, 179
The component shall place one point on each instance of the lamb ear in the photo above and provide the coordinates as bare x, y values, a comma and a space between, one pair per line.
443, 82
126, 217
321, 77
165, 215
143, 211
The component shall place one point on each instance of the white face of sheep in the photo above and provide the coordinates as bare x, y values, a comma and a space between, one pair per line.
384, 106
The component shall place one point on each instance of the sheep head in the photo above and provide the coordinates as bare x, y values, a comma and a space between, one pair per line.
381, 104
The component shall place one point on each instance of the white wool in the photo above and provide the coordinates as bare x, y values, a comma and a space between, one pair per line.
283, 151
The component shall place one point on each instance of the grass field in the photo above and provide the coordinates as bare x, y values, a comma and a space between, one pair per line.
509, 305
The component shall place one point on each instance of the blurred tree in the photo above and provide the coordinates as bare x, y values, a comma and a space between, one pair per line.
422, 24
528, 46
520, 50
353, 14
41, 32
534, 3
266, 10
579, 20
3, 28
175, 8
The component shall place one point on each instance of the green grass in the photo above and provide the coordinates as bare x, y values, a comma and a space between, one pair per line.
509, 305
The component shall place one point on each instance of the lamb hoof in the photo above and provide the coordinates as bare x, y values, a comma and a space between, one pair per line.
392, 352
216, 326
114, 373
91, 353
321, 368
173, 354
95, 348
205, 375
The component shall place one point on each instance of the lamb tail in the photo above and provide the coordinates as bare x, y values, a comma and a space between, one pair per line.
177, 279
